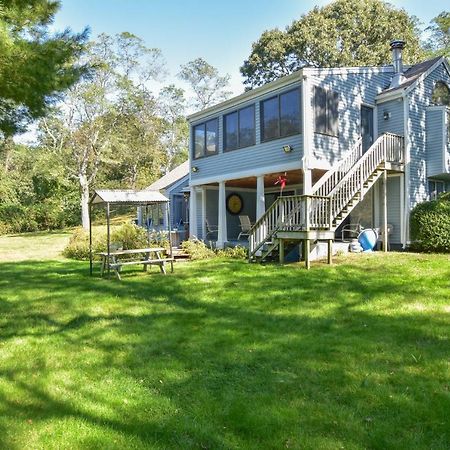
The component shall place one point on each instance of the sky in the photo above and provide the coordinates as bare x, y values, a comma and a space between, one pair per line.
221, 32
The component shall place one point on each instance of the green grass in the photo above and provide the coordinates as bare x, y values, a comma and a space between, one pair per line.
224, 354
38, 245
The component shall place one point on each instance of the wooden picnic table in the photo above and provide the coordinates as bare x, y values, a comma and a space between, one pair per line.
151, 256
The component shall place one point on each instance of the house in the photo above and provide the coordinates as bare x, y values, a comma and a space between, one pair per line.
173, 185
351, 144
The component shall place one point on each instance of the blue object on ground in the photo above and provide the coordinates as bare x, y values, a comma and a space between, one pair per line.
368, 239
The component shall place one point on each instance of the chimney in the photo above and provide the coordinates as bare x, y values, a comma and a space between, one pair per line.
397, 46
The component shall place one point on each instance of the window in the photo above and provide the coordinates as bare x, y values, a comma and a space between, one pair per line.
239, 128
205, 139
326, 111
441, 94
435, 188
280, 115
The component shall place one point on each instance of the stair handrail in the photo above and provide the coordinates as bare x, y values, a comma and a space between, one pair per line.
383, 149
326, 183
316, 211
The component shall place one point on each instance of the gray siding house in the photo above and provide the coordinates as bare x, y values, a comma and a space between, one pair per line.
353, 144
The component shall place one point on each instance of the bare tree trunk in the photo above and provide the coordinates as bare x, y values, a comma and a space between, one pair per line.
8, 147
84, 185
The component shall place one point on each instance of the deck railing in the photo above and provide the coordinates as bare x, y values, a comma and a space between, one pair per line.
331, 178
306, 212
387, 148
290, 213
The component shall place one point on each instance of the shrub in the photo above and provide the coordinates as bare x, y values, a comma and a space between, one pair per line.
78, 246
130, 236
237, 252
198, 250
430, 226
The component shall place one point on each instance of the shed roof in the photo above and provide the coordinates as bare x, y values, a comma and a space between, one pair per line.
128, 196
170, 178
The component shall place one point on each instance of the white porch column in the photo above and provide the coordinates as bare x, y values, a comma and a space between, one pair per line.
260, 199
222, 235
203, 213
192, 213
307, 181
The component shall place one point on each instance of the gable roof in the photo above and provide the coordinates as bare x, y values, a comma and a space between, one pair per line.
170, 178
413, 76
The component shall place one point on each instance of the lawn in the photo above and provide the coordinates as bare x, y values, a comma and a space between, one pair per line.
226, 355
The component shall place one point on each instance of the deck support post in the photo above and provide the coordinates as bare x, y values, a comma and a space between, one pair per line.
108, 236
330, 251
281, 244
307, 247
193, 214
222, 219
385, 217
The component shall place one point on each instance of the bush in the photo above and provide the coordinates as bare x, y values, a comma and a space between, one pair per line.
78, 246
430, 226
237, 252
197, 250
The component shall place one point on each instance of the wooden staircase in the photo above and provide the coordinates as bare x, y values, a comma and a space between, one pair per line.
316, 217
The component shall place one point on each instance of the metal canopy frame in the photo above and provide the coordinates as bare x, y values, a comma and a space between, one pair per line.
124, 197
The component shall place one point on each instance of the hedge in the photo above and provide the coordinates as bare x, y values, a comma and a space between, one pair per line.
430, 226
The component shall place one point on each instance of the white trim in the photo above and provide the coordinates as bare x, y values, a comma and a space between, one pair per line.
307, 126
203, 190
346, 70
407, 177
249, 95
247, 173
193, 213
407, 89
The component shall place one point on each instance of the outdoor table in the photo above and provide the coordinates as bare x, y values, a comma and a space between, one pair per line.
150, 256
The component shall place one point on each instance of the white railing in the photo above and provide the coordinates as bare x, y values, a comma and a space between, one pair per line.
331, 178
387, 148
306, 212
290, 213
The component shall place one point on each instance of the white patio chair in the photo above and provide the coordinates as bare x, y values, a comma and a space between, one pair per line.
246, 226
211, 230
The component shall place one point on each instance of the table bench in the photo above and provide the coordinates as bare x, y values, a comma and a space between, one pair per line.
152, 256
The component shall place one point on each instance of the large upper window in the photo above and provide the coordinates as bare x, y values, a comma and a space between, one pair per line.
441, 94
325, 111
239, 128
205, 139
280, 115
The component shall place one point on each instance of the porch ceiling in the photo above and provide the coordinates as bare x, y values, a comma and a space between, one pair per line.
293, 177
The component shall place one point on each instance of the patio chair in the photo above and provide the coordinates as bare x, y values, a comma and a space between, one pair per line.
352, 230
246, 226
390, 230
211, 230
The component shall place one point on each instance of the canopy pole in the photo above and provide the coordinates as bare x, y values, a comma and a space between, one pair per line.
108, 240
90, 239
169, 225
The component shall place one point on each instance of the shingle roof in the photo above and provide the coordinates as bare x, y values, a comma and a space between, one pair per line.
170, 178
413, 73
128, 196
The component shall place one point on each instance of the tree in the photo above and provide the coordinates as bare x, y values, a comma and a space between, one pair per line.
35, 66
208, 86
175, 134
343, 33
439, 42
89, 125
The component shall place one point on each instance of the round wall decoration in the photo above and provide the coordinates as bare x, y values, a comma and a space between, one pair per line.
234, 203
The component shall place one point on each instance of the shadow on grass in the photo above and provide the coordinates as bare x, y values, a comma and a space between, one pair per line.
249, 356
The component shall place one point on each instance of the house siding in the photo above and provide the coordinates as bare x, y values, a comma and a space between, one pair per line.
395, 123
419, 99
354, 90
259, 156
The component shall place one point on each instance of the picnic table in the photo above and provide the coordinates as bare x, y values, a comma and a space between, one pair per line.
151, 256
